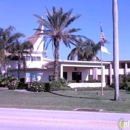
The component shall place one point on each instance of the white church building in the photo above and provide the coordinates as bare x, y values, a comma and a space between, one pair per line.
40, 68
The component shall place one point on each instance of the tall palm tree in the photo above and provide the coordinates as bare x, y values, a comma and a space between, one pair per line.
56, 30
115, 49
85, 51
7, 37
20, 50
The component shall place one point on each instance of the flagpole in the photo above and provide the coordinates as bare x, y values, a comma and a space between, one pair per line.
103, 49
101, 54
101, 73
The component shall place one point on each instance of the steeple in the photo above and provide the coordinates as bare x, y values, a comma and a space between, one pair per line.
36, 35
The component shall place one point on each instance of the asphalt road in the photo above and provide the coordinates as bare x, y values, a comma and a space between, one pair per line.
28, 119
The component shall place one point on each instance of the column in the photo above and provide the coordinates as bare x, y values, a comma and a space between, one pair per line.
110, 73
95, 73
103, 76
126, 68
61, 71
86, 75
96, 76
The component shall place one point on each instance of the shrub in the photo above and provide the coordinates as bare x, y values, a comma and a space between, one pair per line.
63, 82
122, 84
37, 86
12, 83
55, 85
2, 81
124, 81
58, 85
47, 87
22, 86
51, 77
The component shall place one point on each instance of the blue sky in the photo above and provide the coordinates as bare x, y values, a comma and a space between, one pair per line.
19, 13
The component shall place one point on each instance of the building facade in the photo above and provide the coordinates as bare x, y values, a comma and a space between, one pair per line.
40, 68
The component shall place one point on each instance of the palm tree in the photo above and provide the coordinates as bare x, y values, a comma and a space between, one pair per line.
95, 49
56, 30
115, 49
85, 51
76, 51
7, 37
19, 51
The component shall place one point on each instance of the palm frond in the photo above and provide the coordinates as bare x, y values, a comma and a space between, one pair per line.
15, 36
65, 18
72, 54
72, 30
72, 19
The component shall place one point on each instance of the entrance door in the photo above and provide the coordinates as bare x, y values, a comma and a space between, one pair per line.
77, 76
65, 75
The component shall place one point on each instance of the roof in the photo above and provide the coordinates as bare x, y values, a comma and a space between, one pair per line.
72, 63
35, 37
47, 59
121, 61
84, 62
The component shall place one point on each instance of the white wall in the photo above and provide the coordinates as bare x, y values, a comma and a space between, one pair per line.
38, 46
43, 74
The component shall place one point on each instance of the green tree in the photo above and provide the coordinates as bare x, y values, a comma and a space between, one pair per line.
76, 51
57, 31
85, 51
7, 37
19, 51
115, 49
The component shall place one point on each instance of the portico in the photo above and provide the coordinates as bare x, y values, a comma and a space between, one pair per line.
85, 70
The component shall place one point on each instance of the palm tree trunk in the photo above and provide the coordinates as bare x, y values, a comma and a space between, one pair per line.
115, 50
18, 70
56, 60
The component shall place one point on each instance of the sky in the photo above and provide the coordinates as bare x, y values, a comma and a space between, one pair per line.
20, 14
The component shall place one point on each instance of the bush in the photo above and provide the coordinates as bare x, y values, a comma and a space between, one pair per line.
3, 82
124, 81
123, 86
12, 83
37, 86
51, 77
22, 86
58, 85
63, 82
47, 87
55, 85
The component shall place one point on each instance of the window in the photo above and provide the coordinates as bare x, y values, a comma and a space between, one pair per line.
106, 66
128, 65
38, 58
77, 76
122, 65
34, 58
27, 58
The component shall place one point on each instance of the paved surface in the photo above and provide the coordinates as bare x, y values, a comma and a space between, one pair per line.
28, 119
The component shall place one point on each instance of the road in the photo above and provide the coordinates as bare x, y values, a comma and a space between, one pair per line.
28, 119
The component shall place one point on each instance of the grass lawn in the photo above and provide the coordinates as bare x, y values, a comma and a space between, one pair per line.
65, 100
